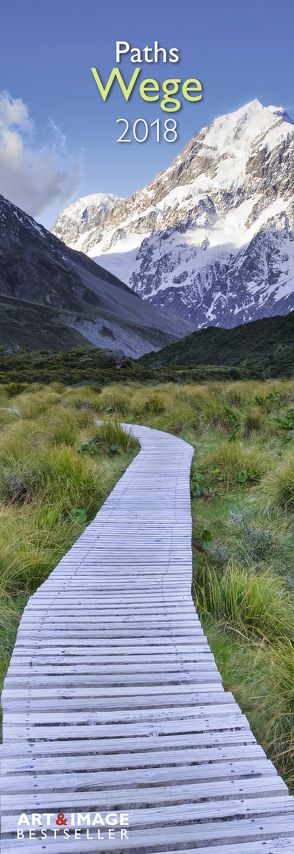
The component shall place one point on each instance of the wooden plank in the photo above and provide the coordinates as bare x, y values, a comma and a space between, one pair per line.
176, 774
127, 797
126, 635
165, 648
111, 692
159, 715
236, 832
233, 809
85, 680
175, 670
115, 663
159, 741
175, 724
113, 617
158, 757
269, 846
83, 709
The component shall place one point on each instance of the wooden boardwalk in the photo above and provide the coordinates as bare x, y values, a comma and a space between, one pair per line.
113, 700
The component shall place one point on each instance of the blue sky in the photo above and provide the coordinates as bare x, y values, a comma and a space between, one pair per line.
57, 137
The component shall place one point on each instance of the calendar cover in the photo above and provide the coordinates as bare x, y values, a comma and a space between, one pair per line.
147, 427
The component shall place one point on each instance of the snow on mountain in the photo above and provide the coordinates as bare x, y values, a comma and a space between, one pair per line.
211, 238
82, 218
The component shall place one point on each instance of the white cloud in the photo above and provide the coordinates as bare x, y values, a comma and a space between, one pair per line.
33, 177
13, 111
59, 137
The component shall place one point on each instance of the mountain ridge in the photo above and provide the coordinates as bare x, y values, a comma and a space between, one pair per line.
211, 238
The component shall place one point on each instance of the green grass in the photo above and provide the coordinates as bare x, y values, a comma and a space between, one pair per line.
57, 466
257, 605
279, 485
261, 677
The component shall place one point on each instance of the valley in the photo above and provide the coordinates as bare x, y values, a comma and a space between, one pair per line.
263, 349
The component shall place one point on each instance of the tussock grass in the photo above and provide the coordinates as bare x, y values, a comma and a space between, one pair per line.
254, 604
280, 697
216, 415
261, 677
110, 438
278, 487
33, 403
10, 611
253, 421
33, 539
154, 405
231, 464
82, 398
8, 415
113, 401
55, 476
110, 433
63, 426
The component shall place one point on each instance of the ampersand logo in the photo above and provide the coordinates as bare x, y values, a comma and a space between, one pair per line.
61, 820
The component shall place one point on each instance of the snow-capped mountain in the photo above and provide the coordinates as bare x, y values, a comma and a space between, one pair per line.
81, 222
211, 238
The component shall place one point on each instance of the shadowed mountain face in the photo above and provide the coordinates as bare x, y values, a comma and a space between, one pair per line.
211, 238
81, 301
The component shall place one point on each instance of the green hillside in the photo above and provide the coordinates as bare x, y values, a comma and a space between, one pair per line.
264, 347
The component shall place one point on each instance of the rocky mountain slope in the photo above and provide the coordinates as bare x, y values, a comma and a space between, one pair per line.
212, 237
50, 294
80, 223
